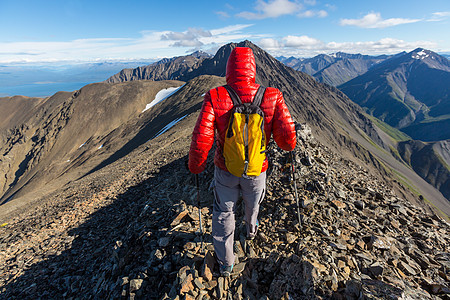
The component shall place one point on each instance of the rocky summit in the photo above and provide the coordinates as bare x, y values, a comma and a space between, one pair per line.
131, 231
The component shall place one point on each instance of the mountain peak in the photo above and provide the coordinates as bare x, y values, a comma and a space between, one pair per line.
420, 53
247, 43
201, 54
432, 59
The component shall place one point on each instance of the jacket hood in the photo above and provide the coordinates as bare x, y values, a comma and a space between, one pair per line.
241, 66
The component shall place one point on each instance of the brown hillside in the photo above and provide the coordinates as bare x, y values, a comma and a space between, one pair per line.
62, 128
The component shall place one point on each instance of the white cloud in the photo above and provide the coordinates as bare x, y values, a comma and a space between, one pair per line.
374, 20
271, 9
228, 34
310, 2
222, 14
188, 38
385, 45
331, 7
150, 44
302, 42
439, 16
269, 43
308, 46
229, 29
306, 14
312, 13
322, 13
278, 8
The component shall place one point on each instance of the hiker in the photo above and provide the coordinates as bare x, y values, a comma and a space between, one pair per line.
214, 117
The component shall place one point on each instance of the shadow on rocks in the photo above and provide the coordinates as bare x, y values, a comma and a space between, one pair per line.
126, 248
293, 277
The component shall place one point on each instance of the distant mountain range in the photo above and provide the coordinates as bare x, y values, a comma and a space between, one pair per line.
334, 69
337, 68
167, 68
410, 92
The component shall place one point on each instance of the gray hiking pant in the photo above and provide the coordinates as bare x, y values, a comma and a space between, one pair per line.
227, 189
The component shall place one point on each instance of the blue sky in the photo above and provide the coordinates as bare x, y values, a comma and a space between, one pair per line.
89, 30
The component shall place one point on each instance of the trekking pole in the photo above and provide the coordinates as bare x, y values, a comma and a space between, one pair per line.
295, 189
199, 210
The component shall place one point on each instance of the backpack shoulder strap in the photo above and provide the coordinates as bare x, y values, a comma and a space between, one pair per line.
234, 96
259, 96
237, 100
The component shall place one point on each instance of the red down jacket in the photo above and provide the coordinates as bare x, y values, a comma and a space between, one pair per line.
216, 111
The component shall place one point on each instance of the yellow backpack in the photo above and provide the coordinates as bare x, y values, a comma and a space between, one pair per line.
245, 142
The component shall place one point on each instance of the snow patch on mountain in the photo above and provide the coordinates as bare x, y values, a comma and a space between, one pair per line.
168, 126
162, 95
420, 55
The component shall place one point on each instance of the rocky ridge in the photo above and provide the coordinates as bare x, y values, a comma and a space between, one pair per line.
134, 235
335, 69
173, 68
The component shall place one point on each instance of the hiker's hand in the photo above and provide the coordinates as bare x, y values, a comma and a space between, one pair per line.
298, 126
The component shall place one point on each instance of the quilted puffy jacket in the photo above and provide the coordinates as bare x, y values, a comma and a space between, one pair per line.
216, 110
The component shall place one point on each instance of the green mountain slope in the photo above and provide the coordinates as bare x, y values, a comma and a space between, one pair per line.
410, 92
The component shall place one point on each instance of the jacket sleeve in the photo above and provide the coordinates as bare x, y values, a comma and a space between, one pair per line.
202, 137
283, 129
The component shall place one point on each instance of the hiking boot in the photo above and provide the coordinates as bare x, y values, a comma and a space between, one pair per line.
225, 271
252, 236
